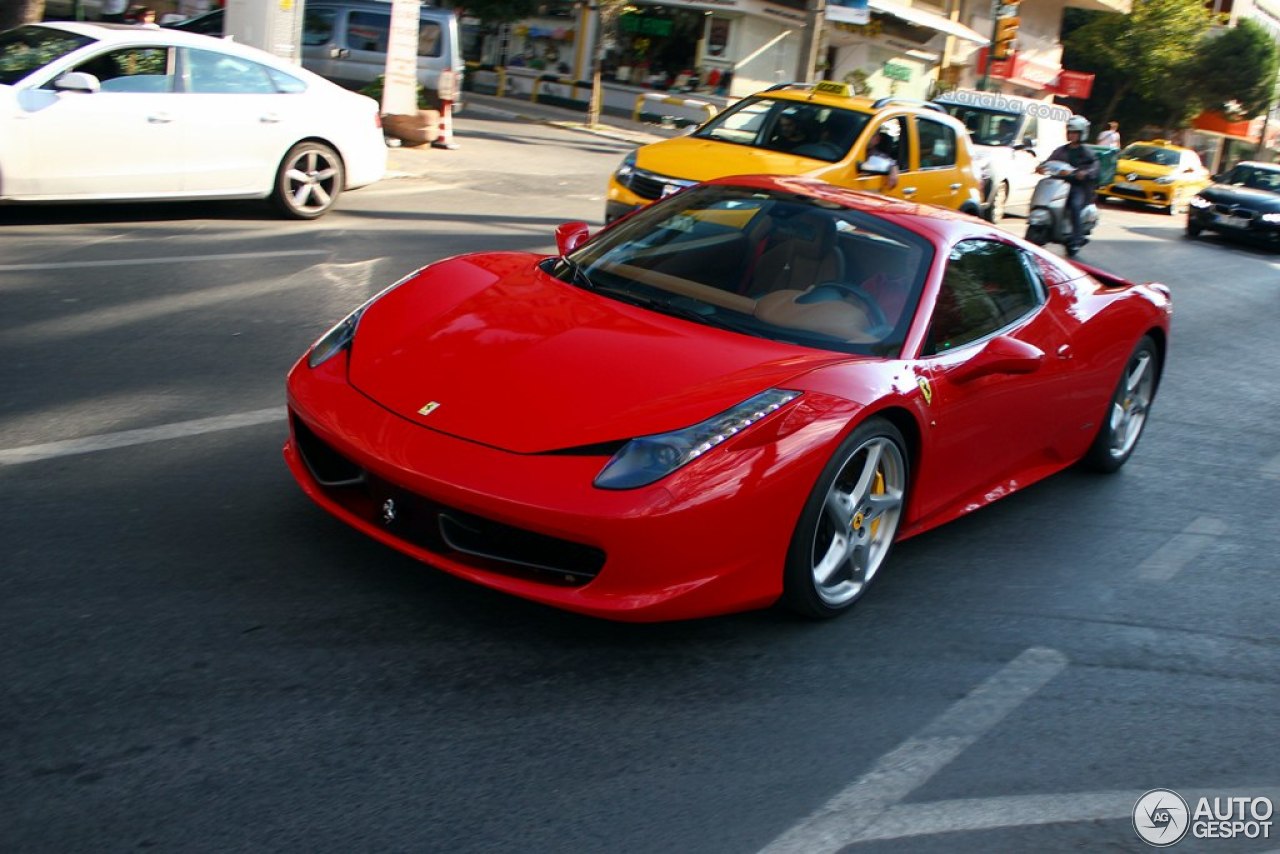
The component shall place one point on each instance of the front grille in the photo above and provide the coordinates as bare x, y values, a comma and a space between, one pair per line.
1234, 210
1125, 191
646, 186
443, 530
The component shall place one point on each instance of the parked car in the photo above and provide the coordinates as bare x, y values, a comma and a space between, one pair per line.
1011, 136
744, 392
346, 41
1158, 173
96, 112
1243, 202
835, 134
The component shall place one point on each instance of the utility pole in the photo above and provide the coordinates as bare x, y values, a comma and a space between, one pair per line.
814, 21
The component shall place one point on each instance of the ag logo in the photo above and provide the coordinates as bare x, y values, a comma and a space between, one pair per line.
1161, 817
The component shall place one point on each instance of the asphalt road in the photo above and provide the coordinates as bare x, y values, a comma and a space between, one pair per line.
195, 658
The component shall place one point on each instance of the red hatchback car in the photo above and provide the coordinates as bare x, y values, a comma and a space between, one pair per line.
743, 393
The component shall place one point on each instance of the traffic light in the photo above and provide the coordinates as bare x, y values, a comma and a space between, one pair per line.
1006, 34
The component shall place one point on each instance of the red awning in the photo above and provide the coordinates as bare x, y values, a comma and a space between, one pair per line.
1212, 121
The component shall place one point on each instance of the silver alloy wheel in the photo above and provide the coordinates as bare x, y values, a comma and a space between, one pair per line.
999, 198
859, 520
310, 180
1129, 410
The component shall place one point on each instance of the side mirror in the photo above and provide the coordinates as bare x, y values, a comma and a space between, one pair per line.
571, 235
1000, 355
77, 81
866, 167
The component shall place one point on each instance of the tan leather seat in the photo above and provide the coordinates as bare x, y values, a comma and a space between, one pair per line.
801, 253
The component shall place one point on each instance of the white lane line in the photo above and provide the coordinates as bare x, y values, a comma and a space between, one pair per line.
1272, 468
142, 436
176, 259
906, 820
1182, 549
861, 804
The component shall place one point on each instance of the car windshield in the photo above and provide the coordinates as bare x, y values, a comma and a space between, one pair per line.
987, 127
1150, 154
1255, 178
766, 263
801, 128
27, 49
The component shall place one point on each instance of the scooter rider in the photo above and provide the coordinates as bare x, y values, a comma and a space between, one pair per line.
1082, 181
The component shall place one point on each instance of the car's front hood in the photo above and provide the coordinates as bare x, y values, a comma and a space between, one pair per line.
489, 348
703, 159
1255, 200
1125, 168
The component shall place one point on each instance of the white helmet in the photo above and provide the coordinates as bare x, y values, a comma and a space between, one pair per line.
1079, 124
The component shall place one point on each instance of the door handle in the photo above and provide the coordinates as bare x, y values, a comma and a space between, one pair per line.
269, 118
338, 53
1064, 352
908, 191
159, 119
957, 185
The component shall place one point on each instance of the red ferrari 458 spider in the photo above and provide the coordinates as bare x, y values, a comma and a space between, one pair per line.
743, 393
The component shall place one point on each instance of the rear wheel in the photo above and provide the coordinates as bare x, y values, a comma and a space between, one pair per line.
999, 198
1127, 414
309, 181
849, 522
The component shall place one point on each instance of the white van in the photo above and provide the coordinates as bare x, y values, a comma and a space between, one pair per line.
346, 41
1011, 136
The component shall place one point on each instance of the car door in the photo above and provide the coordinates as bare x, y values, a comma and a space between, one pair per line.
241, 117
366, 37
936, 176
121, 141
996, 362
321, 53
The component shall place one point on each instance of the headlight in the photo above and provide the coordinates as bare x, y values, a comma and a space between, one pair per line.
649, 458
1166, 179
1200, 202
336, 339
1270, 217
625, 168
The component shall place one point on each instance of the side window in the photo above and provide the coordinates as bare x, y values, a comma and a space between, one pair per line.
317, 26
212, 73
987, 286
368, 31
1031, 130
132, 69
893, 142
428, 38
937, 144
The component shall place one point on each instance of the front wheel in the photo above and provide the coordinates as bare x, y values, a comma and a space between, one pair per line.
309, 181
999, 199
1193, 230
1127, 413
848, 523
1038, 234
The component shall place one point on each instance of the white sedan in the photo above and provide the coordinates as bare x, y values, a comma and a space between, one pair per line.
115, 112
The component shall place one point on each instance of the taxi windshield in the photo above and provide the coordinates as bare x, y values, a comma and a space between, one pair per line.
29, 48
1150, 154
802, 128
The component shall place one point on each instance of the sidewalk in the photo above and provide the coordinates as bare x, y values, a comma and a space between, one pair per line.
423, 160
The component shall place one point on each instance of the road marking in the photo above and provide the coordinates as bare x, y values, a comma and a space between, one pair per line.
1182, 549
142, 436
1272, 468
863, 803
176, 259
971, 814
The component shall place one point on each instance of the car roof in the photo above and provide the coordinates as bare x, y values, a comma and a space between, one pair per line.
1160, 143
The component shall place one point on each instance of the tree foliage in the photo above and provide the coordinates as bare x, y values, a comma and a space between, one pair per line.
1239, 65
499, 11
15, 13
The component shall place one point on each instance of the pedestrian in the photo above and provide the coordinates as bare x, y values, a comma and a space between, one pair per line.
1111, 136
113, 11
1085, 163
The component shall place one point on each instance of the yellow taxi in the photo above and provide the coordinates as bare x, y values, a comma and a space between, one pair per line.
1157, 172
909, 149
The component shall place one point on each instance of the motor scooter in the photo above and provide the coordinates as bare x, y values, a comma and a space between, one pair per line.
1048, 220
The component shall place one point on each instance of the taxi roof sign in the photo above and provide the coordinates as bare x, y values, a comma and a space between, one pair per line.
830, 87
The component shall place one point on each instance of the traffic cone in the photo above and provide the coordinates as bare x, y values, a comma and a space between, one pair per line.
445, 139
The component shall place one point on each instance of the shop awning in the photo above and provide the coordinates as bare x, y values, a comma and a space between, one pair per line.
920, 18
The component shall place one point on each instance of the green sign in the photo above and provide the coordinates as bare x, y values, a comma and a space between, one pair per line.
645, 26
894, 71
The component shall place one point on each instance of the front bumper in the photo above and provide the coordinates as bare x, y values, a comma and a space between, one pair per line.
711, 538
1144, 192
1229, 219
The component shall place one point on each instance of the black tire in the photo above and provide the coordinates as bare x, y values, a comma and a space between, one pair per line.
849, 522
1193, 230
1038, 234
309, 181
999, 198
1126, 416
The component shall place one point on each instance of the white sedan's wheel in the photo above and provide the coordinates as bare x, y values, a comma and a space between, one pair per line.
310, 180
849, 522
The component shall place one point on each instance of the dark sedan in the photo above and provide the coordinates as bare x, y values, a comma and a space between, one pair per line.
1244, 202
